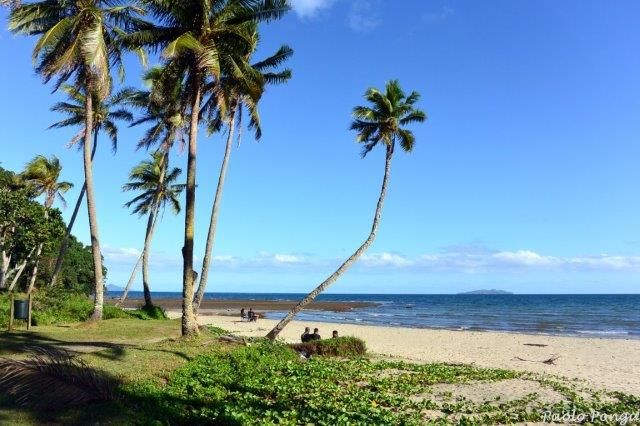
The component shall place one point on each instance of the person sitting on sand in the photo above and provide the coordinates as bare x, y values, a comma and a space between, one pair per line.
252, 315
243, 315
304, 337
335, 334
315, 335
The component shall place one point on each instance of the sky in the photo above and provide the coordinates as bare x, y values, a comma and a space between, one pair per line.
524, 178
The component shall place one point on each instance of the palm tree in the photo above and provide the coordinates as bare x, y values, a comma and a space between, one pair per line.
158, 188
105, 117
80, 40
383, 122
203, 38
230, 95
163, 107
43, 175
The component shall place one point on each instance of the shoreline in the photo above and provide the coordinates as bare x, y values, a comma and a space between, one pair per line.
233, 306
608, 363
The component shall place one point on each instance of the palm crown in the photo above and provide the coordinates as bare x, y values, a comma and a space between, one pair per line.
385, 118
105, 115
43, 175
78, 38
158, 188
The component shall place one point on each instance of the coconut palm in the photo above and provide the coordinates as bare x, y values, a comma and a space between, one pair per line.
43, 175
204, 38
79, 40
163, 108
229, 96
381, 123
105, 116
156, 182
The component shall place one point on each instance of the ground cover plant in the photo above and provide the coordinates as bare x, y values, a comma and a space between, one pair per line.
164, 379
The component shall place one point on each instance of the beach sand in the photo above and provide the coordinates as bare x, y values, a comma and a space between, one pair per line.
611, 364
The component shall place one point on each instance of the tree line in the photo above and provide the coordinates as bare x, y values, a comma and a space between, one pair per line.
207, 78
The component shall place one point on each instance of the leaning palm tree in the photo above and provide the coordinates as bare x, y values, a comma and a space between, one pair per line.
203, 38
156, 182
43, 175
382, 122
79, 40
229, 96
105, 116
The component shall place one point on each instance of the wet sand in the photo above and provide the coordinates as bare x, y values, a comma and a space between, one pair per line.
232, 307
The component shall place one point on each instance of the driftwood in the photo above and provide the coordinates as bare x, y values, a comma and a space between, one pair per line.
538, 345
550, 361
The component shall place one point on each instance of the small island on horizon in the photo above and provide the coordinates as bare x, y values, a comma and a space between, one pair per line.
491, 291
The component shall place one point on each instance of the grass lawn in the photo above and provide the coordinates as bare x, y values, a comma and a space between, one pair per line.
162, 379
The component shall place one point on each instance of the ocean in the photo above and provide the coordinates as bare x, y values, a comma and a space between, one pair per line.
574, 315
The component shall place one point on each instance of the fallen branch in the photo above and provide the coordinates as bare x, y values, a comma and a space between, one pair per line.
550, 361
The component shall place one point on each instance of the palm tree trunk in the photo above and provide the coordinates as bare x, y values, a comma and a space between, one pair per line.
189, 324
326, 283
91, 210
145, 256
32, 282
132, 278
72, 221
214, 218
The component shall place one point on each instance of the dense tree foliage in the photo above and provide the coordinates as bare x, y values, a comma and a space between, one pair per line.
24, 226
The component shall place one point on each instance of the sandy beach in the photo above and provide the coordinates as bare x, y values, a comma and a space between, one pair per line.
612, 364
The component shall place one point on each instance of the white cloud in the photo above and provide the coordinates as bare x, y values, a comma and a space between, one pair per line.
439, 15
385, 260
472, 259
309, 8
364, 15
121, 255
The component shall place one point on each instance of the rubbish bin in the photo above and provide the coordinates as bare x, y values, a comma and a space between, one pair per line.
21, 309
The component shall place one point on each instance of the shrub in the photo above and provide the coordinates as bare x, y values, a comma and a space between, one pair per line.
341, 346
57, 306
142, 313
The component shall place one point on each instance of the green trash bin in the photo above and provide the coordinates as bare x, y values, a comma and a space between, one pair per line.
21, 309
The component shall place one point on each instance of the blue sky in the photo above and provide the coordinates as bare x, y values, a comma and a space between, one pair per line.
524, 178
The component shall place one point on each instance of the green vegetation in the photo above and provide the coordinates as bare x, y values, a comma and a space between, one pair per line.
341, 346
164, 379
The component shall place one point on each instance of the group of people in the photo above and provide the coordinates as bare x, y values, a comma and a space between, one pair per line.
307, 336
251, 316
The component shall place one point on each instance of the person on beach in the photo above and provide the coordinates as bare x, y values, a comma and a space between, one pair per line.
315, 335
252, 315
243, 315
335, 334
304, 337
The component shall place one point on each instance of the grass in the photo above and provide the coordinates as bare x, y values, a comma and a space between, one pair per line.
341, 347
164, 379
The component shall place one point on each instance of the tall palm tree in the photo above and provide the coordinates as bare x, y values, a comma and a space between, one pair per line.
80, 40
163, 107
382, 122
203, 38
156, 182
230, 95
105, 116
43, 175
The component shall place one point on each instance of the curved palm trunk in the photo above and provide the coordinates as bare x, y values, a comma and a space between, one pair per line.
151, 224
91, 210
132, 278
34, 274
326, 283
206, 263
189, 324
65, 242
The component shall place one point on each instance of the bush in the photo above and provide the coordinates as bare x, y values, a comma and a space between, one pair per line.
341, 346
56, 306
142, 313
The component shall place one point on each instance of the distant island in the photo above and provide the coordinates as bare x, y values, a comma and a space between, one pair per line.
492, 291
114, 288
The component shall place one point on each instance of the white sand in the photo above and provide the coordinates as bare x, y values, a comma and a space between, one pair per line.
612, 364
